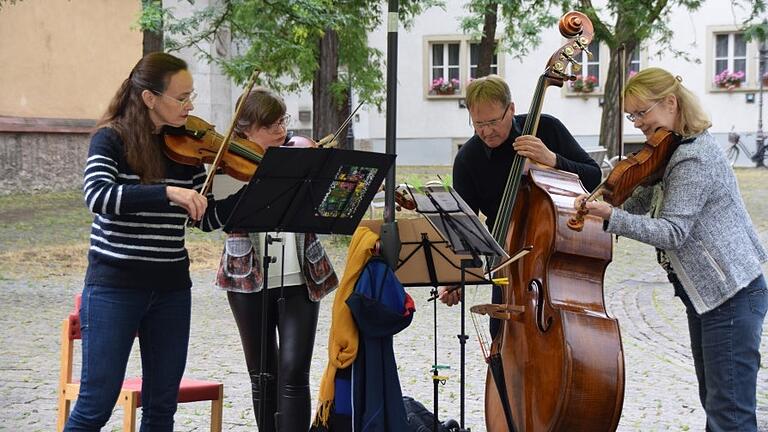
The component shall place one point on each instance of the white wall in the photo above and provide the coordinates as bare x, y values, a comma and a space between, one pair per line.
422, 120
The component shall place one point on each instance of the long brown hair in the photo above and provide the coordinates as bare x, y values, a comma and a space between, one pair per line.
129, 116
263, 107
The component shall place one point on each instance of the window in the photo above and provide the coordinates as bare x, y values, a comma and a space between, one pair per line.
591, 65
732, 62
731, 54
450, 62
474, 59
588, 77
445, 61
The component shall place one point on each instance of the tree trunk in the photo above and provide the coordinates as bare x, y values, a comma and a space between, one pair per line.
152, 41
488, 41
327, 112
611, 136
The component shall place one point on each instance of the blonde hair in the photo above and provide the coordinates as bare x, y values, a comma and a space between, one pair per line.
654, 84
490, 88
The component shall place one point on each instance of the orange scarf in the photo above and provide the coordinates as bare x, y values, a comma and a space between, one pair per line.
343, 336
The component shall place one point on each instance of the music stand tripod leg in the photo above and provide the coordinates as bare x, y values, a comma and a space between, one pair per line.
435, 366
426, 246
265, 377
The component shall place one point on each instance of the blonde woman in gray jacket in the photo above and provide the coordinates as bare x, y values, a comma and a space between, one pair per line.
705, 240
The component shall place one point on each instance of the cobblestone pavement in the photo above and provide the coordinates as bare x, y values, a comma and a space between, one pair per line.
660, 395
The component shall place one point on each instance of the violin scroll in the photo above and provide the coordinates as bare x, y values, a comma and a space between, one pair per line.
403, 198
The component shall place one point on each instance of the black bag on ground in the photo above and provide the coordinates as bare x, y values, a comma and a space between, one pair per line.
421, 420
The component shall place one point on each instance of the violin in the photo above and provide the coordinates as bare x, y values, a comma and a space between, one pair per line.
643, 168
303, 141
197, 143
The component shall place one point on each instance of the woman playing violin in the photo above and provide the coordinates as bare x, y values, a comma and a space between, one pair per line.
696, 219
138, 268
302, 275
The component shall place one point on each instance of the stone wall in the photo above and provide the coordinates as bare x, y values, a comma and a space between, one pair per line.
42, 154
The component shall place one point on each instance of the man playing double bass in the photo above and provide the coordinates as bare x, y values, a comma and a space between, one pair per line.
483, 163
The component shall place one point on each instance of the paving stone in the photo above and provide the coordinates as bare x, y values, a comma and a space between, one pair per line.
661, 389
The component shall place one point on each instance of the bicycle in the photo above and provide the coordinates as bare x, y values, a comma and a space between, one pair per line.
737, 146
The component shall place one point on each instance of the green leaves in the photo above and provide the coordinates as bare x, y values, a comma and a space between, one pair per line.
281, 38
523, 21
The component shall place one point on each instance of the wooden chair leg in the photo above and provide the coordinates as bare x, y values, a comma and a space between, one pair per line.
61, 418
129, 401
217, 411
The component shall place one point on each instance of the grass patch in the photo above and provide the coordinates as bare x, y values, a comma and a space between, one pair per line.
46, 234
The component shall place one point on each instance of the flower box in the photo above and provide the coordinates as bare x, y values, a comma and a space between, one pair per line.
444, 87
584, 84
729, 80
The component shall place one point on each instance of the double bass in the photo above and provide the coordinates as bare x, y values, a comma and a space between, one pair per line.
557, 363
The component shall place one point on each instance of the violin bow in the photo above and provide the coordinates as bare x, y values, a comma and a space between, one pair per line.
346, 122
228, 137
622, 83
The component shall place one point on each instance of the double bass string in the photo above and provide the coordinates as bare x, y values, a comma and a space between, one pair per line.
515, 173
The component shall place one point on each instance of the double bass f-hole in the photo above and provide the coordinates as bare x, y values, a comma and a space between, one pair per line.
543, 322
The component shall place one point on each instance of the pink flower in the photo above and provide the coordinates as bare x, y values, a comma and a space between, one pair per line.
729, 79
444, 86
584, 84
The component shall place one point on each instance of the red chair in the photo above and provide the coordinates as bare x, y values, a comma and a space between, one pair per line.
130, 395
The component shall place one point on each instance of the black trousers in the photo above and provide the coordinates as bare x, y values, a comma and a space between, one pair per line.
287, 398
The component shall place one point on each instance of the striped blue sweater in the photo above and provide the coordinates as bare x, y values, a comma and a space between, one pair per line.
137, 235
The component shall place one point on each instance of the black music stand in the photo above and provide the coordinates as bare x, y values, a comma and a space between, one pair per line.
324, 191
467, 236
305, 190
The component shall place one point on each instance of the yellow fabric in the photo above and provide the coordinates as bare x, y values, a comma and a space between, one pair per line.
343, 336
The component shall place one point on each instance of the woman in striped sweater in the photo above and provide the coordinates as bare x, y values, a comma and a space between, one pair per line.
138, 267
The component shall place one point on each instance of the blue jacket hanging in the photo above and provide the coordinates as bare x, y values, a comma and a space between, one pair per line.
381, 309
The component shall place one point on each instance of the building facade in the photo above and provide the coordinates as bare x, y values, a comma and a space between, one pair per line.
59, 75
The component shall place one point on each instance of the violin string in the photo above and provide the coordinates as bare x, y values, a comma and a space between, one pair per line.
245, 152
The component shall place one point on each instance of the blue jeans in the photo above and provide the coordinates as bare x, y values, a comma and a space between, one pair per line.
109, 320
725, 343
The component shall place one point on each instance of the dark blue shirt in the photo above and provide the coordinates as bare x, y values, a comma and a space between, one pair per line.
480, 173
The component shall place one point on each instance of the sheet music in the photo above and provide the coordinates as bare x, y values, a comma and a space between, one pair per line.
456, 221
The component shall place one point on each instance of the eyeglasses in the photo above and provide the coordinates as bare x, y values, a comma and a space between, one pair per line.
489, 123
640, 114
182, 102
281, 124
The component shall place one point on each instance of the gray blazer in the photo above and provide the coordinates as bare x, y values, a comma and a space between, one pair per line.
703, 225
